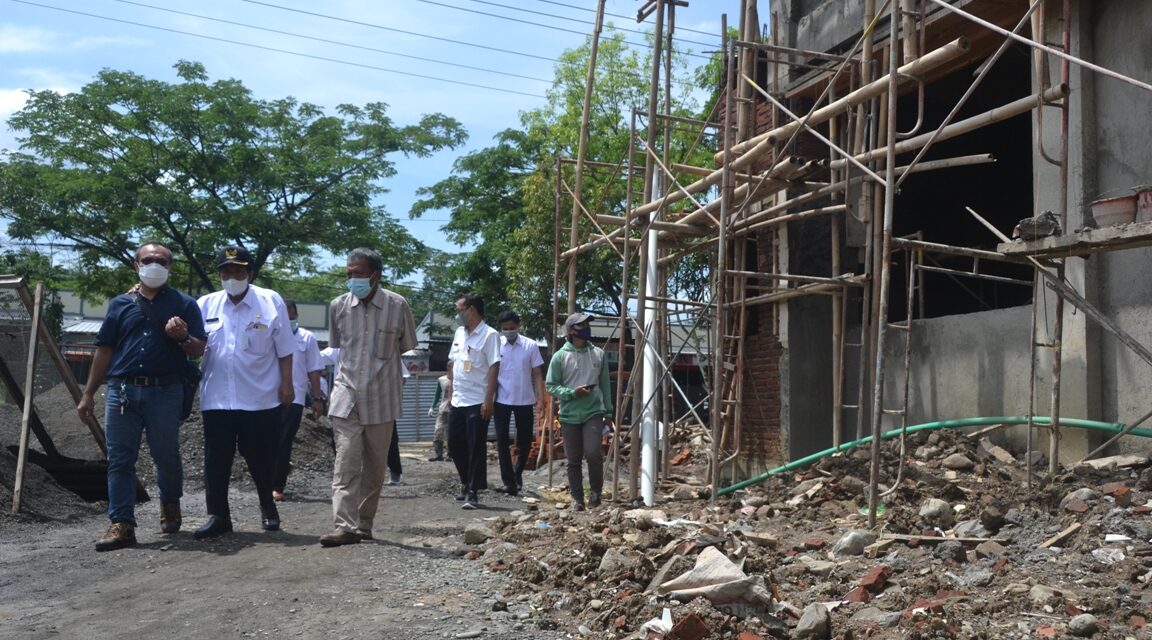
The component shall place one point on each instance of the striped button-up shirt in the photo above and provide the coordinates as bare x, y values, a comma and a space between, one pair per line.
371, 336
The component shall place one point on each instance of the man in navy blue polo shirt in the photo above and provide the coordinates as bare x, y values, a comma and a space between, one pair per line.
144, 369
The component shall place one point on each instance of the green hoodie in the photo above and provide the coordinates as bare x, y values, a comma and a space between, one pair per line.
571, 368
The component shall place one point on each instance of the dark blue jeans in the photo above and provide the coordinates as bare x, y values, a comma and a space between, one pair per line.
253, 433
150, 411
524, 413
468, 444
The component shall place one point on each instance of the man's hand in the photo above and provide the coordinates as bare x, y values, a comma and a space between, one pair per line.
317, 408
486, 411
176, 328
286, 393
85, 407
580, 392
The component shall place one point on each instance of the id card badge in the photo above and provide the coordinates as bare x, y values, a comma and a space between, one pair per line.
467, 365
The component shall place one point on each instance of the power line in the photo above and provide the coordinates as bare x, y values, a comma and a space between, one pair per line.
585, 22
335, 42
537, 24
285, 51
614, 15
384, 28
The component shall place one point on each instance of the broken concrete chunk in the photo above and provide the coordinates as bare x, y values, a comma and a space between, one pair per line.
995, 452
938, 513
958, 462
1083, 494
990, 549
926, 452
476, 532
992, 518
615, 562
1120, 461
853, 543
1083, 625
878, 617
815, 622
950, 550
821, 568
674, 566
970, 529
1042, 594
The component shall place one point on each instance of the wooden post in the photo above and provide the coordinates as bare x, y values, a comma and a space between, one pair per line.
29, 383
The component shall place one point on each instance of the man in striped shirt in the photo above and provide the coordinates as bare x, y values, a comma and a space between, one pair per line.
371, 326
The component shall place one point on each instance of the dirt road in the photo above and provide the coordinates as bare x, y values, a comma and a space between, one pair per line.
411, 582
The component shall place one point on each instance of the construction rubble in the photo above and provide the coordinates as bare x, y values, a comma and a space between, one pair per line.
966, 546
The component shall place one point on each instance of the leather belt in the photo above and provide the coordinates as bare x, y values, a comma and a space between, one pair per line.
148, 381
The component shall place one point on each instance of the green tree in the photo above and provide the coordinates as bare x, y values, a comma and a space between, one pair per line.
197, 165
503, 197
34, 267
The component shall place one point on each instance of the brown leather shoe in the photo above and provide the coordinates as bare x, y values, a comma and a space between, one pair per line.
118, 536
339, 537
170, 518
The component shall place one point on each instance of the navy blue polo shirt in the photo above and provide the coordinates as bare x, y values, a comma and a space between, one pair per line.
137, 349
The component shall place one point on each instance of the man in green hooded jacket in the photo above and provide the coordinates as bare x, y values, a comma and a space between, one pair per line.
578, 378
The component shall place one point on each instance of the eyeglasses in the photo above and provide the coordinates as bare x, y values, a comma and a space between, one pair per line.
163, 262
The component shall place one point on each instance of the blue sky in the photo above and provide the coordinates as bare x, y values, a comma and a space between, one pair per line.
62, 44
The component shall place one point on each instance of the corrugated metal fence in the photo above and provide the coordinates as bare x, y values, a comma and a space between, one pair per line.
415, 425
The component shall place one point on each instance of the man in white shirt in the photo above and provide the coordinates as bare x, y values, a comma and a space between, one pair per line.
474, 365
306, 369
520, 392
247, 379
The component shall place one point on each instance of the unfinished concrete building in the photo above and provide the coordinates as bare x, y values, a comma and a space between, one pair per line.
870, 155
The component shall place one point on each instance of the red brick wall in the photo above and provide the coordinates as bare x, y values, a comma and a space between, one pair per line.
761, 437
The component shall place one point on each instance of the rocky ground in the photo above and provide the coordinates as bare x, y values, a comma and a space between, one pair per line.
963, 547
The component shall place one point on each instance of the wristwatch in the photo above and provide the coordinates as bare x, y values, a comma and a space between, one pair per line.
186, 341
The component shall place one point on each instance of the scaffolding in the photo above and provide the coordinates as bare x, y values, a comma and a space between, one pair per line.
837, 160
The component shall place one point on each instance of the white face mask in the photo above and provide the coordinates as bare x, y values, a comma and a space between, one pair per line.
235, 287
153, 275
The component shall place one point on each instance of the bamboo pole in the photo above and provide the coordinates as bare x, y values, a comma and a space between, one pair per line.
999, 114
581, 152
915, 69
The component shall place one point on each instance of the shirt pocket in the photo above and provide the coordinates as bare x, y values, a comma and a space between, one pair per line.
257, 341
386, 343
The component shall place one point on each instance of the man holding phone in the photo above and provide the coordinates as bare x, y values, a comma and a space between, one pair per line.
578, 378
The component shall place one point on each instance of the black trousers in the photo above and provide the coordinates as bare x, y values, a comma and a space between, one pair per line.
253, 433
525, 415
467, 444
394, 452
289, 424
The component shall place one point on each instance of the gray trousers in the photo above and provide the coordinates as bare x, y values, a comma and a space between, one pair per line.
582, 443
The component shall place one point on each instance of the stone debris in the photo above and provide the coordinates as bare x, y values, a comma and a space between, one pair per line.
958, 551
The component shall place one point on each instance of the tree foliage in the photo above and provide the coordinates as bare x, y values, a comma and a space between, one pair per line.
504, 197
197, 165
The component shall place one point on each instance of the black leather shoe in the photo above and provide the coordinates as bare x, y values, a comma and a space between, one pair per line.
216, 525
461, 497
270, 519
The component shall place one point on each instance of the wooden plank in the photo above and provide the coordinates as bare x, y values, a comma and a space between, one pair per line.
29, 385
938, 539
1060, 537
1082, 243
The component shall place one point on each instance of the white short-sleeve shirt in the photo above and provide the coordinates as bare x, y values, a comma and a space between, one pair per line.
517, 361
305, 360
471, 356
245, 343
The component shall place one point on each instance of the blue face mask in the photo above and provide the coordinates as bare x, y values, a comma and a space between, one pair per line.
294, 324
584, 333
359, 286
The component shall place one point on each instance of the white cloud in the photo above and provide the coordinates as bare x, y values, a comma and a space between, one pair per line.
17, 39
